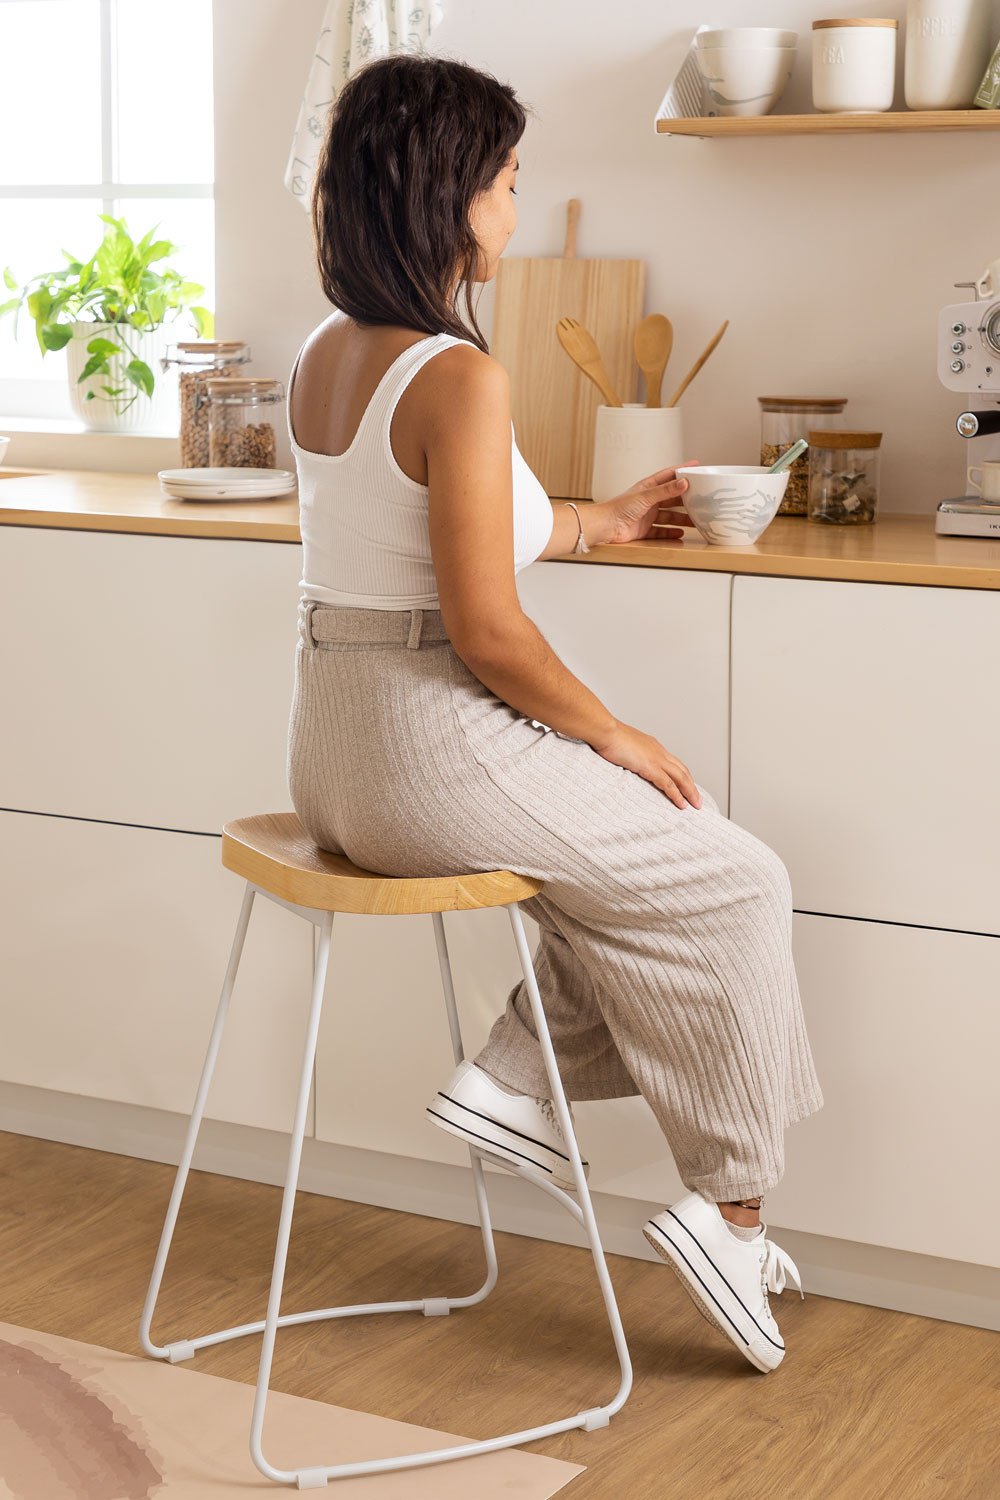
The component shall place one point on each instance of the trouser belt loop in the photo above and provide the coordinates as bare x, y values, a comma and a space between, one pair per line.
306, 610
416, 620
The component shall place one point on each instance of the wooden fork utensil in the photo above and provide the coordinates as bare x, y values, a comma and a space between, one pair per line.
583, 351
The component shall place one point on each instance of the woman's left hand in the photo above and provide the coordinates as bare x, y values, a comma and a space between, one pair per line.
656, 501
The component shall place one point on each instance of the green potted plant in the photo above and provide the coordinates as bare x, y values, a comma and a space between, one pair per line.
110, 314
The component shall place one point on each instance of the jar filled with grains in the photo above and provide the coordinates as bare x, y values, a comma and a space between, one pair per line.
843, 476
242, 412
785, 419
196, 362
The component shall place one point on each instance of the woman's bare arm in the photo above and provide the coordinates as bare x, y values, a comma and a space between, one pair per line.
467, 425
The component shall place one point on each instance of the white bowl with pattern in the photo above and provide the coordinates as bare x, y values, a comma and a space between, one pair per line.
732, 504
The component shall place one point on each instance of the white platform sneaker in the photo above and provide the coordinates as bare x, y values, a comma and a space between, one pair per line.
727, 1278
514, 1130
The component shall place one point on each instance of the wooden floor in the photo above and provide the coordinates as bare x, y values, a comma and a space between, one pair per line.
868, 1404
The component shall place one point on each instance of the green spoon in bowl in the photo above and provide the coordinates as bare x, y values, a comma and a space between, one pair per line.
789, 456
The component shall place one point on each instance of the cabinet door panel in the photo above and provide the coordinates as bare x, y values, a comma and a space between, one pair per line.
866, 742
905, 1030
148, 679
116, 942
653, 644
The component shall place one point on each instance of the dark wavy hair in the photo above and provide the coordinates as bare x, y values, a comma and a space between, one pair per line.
411, 140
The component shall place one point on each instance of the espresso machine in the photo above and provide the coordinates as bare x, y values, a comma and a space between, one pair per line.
969, 361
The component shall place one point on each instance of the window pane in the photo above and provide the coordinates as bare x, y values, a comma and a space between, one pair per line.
33, 233
50, 93
164, 91
190, 224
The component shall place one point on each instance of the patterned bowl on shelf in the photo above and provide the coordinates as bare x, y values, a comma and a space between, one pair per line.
732, 504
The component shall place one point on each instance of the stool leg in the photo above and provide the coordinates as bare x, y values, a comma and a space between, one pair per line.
478, 1174
288, 1205
588, 1217
181, 1351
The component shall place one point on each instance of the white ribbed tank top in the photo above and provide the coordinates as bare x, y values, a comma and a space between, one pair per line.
364, 525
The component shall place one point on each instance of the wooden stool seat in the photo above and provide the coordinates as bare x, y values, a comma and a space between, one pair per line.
273, 851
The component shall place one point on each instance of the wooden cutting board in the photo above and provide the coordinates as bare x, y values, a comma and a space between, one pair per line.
554, 403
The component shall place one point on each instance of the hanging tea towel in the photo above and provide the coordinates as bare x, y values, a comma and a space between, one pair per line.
354, 31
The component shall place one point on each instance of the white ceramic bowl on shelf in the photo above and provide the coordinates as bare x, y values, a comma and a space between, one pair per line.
746, 36
732, 504
744, 80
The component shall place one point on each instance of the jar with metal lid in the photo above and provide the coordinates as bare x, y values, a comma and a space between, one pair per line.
843, 475
242, 412
195, 363
785, 419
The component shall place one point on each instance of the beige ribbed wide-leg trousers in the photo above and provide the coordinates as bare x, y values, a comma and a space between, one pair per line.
665, 960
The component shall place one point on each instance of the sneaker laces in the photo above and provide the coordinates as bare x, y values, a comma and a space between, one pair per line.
548, 1109
776, 1268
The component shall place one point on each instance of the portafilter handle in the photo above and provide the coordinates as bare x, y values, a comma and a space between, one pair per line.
973, 424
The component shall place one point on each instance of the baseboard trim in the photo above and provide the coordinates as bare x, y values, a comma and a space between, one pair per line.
926, 1285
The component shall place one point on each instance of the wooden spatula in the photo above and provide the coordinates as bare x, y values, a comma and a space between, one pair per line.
583, 351
652, 342
697, 366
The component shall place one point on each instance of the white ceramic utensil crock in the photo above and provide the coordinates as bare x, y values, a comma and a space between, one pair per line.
633, 441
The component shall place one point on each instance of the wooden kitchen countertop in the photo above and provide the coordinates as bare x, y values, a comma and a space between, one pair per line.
897, 548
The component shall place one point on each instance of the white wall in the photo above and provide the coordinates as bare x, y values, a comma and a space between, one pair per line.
831, 257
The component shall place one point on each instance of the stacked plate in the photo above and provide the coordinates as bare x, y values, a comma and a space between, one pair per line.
226, 484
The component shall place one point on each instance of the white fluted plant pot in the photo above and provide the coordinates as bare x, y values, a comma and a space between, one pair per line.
157, 413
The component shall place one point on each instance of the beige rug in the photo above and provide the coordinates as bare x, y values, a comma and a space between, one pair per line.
78, 1422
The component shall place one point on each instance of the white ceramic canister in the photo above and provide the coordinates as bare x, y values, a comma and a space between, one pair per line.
633, 441
854, 65
948, 46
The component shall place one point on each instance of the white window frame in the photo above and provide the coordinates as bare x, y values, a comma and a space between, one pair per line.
50, 399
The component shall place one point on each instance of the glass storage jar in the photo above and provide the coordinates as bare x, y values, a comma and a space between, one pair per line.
242, 412
785, 419
843, 476
195, 363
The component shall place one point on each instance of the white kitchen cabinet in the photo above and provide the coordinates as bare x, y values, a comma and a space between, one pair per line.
866, 742
905, 1031
149, 679
116, 941
653, 644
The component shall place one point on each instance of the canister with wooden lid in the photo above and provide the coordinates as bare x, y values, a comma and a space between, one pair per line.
195, 362
843, 475
854, 64
785, 419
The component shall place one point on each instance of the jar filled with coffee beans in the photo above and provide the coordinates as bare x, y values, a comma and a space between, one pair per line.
843, 476
242, 413
785, 419
195, 362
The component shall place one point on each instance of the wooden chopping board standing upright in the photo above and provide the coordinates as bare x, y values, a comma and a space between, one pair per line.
553, 402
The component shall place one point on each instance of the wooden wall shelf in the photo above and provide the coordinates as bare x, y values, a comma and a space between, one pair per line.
821, 124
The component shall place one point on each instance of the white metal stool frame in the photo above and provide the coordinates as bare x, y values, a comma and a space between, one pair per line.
317, 1477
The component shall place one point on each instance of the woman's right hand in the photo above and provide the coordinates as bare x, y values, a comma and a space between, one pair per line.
629, 747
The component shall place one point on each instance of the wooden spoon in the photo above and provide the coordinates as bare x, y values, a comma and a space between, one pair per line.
583, 351
697, 366
653, 340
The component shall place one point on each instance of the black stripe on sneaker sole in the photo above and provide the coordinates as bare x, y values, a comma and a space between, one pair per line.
543, 1145
493, 1145
721, 1277
667, 1241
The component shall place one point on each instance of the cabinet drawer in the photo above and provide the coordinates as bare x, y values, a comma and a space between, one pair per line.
116, 942
904, 1026
866, 745
147, 679
652, 644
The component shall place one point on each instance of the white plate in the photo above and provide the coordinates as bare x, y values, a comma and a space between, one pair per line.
232, 476
226, 491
